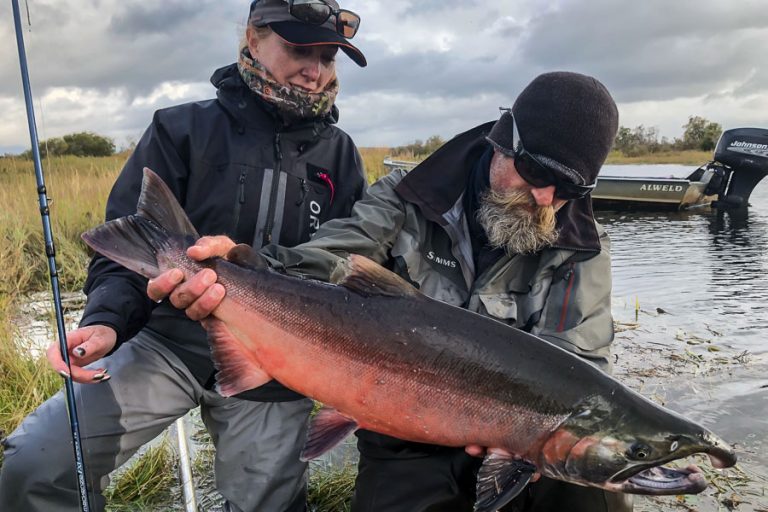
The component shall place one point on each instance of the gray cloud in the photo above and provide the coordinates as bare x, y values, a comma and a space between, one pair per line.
155, 18
435, 66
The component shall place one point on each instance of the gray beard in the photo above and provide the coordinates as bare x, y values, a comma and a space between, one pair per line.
513, 222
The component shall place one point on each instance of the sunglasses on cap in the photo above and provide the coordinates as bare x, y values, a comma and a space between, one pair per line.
540, 171
317, 12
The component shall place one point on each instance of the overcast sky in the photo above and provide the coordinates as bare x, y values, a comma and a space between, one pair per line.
436, 67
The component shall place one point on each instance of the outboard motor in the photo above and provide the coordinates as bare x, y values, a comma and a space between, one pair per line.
743, 152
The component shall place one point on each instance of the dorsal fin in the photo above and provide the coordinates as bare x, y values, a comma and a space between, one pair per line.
158, 204
367, 277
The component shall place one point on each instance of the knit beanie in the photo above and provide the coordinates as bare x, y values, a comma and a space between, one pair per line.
562, 116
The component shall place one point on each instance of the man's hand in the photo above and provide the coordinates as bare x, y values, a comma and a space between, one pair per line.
200, 294
84, 345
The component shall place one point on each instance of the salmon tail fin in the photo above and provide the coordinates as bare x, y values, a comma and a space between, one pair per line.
158, 204
328, 428
159, 225
239, 370
499, 480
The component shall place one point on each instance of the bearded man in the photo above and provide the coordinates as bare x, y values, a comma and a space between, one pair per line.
498, 221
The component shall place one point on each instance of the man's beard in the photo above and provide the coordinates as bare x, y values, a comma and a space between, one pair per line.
513, 222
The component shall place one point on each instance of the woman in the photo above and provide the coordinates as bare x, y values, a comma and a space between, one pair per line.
260, 163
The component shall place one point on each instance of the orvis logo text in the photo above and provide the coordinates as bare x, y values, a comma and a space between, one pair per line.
314, 216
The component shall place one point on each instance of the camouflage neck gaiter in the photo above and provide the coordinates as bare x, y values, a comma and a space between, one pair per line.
293, 104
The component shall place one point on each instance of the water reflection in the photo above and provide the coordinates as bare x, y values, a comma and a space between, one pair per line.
707, 267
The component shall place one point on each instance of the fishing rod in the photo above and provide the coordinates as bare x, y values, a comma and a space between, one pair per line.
50, 252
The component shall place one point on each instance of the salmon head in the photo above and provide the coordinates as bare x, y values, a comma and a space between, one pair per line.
621, 443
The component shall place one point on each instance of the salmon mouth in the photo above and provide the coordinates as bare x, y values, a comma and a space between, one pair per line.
661, 480
656, 479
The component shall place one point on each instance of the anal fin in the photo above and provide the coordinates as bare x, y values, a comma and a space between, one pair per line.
328, 429
501, 479
239, 369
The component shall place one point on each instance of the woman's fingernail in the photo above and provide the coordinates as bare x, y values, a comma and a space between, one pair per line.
99, 376
64, 374
106, 378
177, 275
79, 351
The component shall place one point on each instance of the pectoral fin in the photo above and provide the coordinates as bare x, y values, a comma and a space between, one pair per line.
368, 278
239, 369
328, 429
501, 479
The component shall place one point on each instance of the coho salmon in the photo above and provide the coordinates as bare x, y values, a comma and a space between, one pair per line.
382, 356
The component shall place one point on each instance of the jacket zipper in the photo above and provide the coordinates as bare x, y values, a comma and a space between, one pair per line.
570, 275
304, 192
273, 193
240, 199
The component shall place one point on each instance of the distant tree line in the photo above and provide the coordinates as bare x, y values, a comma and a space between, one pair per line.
420, 149
698, 134
75, 144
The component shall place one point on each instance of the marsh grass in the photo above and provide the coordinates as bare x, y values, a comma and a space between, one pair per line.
330, 488
77, 191
147, 483
25, 382
662, 157
373, 160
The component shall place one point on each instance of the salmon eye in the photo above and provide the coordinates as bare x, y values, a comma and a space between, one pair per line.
639, 451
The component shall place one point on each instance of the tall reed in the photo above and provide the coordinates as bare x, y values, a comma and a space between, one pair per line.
77, 190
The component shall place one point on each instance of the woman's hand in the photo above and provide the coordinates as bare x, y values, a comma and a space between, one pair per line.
84, 346
200, 294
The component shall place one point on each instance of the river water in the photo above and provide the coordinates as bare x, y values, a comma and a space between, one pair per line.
690, 297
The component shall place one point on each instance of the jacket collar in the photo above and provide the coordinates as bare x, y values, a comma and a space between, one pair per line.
247, 108
436, 184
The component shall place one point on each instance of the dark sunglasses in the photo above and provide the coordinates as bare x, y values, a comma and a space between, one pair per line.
317, 12
539, 175
537, 170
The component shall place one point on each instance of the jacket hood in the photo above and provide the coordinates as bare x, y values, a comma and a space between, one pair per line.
236, 98
437, 183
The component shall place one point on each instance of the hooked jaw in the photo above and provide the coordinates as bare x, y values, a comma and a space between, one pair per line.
655, 479
660, 480
588, 461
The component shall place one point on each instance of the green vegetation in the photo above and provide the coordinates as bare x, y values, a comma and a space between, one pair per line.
418, 149
146, 484
330, 488
690, 157
75, 144
77, 191
699, 134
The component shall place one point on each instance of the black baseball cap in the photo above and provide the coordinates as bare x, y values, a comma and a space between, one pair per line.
298, 33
